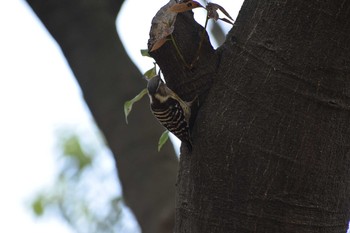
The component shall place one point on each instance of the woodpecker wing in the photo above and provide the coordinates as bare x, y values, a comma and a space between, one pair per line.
173, 118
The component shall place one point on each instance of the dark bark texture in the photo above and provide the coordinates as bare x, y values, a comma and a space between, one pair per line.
86, 33
271, 139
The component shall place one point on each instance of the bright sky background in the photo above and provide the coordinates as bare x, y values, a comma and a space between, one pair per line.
38, 95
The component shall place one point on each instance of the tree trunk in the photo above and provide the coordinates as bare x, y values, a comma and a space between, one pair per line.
271, 139
86, 33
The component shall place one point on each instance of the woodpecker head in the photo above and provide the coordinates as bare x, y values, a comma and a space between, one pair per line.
158, 90
154, 84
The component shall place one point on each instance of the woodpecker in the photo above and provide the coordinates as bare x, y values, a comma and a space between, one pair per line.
170, 110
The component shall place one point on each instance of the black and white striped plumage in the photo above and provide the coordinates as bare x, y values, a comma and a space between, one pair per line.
170, 110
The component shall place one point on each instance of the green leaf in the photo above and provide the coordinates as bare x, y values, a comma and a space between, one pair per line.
151, 72
73, 149
128, 104
163, 139
144, 52
38, 206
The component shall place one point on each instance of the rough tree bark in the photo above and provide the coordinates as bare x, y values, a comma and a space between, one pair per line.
86, 33
271, 139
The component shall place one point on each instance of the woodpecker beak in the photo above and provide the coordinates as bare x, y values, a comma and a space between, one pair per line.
159, 83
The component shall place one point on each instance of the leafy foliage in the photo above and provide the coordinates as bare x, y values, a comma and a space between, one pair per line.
144, 52
128, 104
72, 150
38, 205
150, 73
163, 139
81, 193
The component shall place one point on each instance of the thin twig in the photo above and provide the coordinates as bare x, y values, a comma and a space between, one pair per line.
196, 58
178, 51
